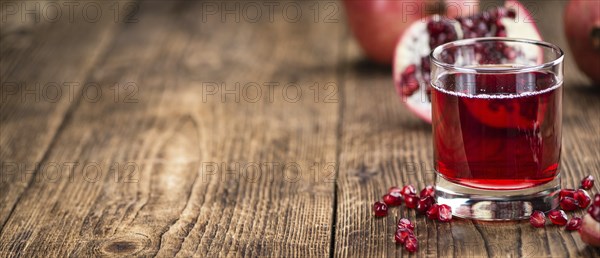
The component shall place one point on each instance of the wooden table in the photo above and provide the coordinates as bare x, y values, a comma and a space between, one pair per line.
168, 128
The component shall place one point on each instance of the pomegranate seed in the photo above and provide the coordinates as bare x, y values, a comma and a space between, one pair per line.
394, 189
428, 191
402, 234
393, 199
588, 182
566, 193
596, 200
510, 13
445, 213
594, 211
408, 190
433, 212
583, 198
380, 209
557, 217
574, 223
569, 204
405, 223
411, 244
537, 219
411, 201
424, 203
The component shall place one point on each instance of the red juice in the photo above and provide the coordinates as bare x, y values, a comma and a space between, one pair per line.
497, 131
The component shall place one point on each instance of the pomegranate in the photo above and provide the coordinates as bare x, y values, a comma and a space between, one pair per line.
380, 209
393, 199
408, 190
557, 217
445, 213
402, 234
376, 24
583, 199
589, 231
569, 204
411, 61
405, 223
424, 204
537, 219
411, 201
573, 224
429, 190
566, 193
394, 189
433, 212
588, 182
582, 29
411, 244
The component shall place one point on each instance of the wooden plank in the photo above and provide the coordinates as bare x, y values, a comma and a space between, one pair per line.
42, 70
170, 201
384, 145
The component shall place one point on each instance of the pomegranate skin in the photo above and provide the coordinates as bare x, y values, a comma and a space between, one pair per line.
377, 24
590, 231
580, 19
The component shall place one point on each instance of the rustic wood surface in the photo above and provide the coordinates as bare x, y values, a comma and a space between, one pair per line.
183, 129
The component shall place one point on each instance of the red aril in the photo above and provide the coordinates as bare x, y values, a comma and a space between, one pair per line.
445, 213
411, 244
411, 61
408, 190
428, 191
596, 200
569, 204
566, 193
393, 199
594, 211
411, 201
537, 219
380, 209
583, 199
582, 30
424, 204
395, 189
573, 224
376, 24
557, 217
433, 212
402, 234
405, 223
587, 183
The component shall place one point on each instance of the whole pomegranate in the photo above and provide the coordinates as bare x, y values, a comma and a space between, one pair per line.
582, 28
376, 24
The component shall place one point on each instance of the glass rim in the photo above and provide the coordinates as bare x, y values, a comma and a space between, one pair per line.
526, 68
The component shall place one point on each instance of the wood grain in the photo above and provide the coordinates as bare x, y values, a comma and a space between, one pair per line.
170, 202
181, 156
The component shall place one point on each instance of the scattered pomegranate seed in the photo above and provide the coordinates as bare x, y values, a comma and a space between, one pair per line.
588, 182
557, 217
380, 209
411, 201
594, 211
411, 244
569, 204
574, 223
537, 219
424, 203
433, 212
393, 199
445, 213
402, 234
405, 223
566, 193
394, 189
583, 198
408, 190
428, 191
596, 200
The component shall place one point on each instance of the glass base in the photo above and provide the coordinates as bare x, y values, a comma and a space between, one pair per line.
472, 203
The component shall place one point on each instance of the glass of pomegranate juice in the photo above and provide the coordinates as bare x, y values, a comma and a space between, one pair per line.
496, 115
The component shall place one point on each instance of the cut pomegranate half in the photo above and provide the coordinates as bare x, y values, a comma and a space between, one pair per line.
411, 59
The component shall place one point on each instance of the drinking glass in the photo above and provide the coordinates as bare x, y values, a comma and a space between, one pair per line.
496, 115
